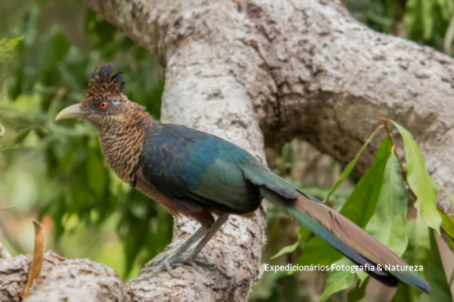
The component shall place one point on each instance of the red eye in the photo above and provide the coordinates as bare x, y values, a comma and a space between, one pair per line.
103, 105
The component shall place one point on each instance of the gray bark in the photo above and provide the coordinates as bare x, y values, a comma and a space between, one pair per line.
269, 71
61, 280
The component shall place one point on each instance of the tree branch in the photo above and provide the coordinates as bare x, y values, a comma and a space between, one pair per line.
290, 69
61, 280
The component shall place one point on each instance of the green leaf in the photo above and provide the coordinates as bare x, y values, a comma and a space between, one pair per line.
435, 274
448, 222
358, 208
6, 48
418, 242
363, 276
448, 226
287, 249
338, 280
449, 194
389, 222
320, 252
303, 234
416, 254
404, 293
358, 292
420, 181
22, 135
349, 168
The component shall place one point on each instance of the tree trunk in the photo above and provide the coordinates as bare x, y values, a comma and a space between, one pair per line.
267, 71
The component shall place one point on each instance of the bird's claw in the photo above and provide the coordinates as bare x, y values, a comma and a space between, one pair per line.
194, 263
170, 263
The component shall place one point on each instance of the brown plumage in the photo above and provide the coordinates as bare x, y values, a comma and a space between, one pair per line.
121, 126
121, 130
104, 83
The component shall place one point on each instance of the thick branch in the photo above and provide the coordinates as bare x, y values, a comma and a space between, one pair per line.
290, 68
61, 280
309, 69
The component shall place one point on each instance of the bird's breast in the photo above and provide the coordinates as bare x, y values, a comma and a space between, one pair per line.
121, 150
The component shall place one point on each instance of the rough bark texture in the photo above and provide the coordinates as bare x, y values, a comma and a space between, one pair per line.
61, 280
284, 68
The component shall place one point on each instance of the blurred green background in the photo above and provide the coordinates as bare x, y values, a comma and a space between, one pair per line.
55, 172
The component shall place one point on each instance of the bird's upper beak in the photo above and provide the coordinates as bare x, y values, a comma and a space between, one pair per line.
73, 111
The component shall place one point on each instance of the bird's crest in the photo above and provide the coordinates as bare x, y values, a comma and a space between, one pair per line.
103, 83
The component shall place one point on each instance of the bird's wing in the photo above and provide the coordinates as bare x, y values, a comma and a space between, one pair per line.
193, 167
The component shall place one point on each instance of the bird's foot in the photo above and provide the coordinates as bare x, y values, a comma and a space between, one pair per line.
170, 263
165, 265
190, 260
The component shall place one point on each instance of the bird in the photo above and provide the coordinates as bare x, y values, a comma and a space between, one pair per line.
202, 176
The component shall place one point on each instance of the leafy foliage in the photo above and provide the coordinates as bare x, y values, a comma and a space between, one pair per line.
420, 181
389, 222
423, 21
358, 292
428, 19
435, 274
349, 168
429, 22
338, 280
51, 72
379, 204
448, 223
359, 208
6, 48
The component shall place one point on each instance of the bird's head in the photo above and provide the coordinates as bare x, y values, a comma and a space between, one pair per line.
104, 105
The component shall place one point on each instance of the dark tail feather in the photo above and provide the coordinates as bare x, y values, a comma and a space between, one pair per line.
346, 237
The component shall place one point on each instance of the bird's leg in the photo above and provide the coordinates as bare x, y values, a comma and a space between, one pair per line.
202, 231
178, 257
168, 262
216, 226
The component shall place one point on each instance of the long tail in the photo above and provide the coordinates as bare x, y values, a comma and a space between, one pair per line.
343, 235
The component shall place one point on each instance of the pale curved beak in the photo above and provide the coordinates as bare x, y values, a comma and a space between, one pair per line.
73, 111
